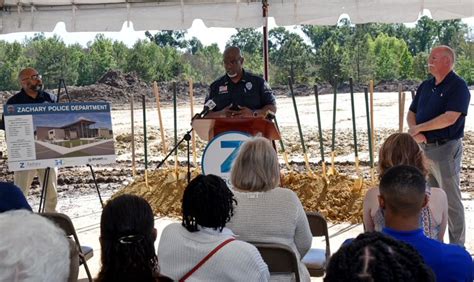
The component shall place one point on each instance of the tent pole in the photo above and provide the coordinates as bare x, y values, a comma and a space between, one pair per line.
265, 39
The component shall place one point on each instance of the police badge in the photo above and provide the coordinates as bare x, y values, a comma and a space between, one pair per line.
248, 85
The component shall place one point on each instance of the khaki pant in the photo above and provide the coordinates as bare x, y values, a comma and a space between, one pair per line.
445, 169
24, 178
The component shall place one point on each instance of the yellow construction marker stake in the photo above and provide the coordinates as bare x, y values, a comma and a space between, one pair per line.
158, 109
193, 136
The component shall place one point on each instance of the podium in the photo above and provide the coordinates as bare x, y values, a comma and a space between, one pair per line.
207, 128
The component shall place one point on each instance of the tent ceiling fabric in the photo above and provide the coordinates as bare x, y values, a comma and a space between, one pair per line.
109, 15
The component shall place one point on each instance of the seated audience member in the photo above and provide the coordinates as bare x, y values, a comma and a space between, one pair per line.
402, 149
373, 256
402, 196
201, 248
267, 213
11, 198
127, 236
32, 248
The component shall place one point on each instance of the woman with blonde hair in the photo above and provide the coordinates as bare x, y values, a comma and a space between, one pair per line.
402, 149
266, 213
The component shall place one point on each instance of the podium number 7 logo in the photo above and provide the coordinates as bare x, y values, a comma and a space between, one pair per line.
227, 164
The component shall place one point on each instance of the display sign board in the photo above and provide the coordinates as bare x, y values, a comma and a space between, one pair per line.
56, 135
220, 153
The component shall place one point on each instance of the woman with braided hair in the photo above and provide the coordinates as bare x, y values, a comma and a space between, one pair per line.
127, 236
201, 248
373, 256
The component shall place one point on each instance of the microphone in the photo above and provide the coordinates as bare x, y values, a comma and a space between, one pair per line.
210, 104
269, 115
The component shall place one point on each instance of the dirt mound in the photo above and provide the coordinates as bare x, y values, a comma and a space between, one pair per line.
326, 88
117, 88
336, 197
392, 85
119, 80
114, 87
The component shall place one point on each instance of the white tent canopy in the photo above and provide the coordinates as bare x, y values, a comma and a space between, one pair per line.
109, 15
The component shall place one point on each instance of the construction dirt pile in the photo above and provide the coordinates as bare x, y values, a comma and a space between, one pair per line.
117, 88
338, 197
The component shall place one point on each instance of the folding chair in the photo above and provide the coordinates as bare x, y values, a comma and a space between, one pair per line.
316, 259
65, 223
280, 258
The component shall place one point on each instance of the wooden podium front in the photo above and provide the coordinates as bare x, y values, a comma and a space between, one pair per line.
207, 128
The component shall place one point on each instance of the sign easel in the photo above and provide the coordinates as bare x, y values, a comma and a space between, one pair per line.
52, 135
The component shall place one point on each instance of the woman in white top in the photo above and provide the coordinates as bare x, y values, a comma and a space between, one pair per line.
201, 248
402, 149
266, 213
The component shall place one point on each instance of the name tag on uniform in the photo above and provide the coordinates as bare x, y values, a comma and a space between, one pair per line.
223, 89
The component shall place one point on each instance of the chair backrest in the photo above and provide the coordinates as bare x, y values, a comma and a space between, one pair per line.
65, 223
319, 227
279, 258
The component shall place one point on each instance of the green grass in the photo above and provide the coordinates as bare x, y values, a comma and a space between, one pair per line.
74, 143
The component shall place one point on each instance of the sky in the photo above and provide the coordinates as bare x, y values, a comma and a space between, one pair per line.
102, 119
207, 36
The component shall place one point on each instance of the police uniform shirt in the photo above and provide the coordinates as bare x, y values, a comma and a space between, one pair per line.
251, 91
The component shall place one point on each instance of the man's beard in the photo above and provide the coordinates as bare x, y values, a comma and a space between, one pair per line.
37, 87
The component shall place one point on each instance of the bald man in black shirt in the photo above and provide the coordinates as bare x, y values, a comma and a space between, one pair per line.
31, 93
238, 92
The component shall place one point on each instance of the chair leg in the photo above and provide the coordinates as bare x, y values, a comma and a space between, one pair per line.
86, 267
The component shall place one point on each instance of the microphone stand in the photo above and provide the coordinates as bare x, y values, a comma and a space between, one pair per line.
186, 137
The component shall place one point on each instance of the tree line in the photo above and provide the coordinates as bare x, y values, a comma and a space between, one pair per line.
323, 54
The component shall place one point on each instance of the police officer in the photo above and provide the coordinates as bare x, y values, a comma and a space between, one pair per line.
239, 93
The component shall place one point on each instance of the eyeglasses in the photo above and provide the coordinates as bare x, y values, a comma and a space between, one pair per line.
34, 77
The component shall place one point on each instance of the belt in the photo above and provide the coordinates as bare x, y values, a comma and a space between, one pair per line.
438, 142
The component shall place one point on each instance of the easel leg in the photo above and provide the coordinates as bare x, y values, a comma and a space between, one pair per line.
44, 191
96, 186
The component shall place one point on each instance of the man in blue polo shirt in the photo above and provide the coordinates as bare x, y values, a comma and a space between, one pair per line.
436, 120
31, 93
238, 92
402, 196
